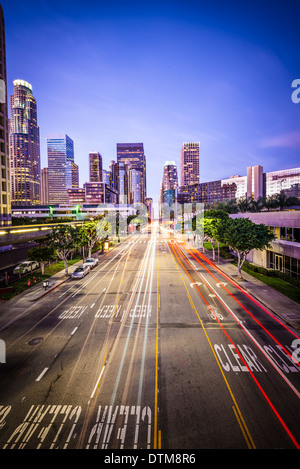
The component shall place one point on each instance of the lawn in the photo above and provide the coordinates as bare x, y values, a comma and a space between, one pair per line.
21, 285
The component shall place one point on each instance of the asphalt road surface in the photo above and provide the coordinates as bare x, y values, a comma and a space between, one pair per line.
156, 349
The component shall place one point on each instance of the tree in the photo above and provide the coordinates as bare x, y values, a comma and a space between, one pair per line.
242, 235
212, 221
41, 254
64, 240
89, 235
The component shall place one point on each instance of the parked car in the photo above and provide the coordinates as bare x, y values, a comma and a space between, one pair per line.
91, 262
81, 271
25, 267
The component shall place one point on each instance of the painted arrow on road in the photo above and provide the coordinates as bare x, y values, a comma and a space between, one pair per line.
196, 283
221, 283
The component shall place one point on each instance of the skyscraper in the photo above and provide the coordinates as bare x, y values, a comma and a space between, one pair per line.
95, 165
135, 182
132, 154
24, 146
255, 187
120, 170
61, 169
170, 176
190, 164
5, 198
169, 183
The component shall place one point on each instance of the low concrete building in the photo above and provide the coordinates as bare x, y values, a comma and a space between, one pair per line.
283, 253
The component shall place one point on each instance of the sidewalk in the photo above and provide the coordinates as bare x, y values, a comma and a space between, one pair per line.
19, 304
285, 308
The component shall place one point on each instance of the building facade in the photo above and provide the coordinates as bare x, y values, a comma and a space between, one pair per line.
282, 180
61, 170
132, 155
206, 192
283, 254
259, 184
95, 166
24, 146
100, 193
44, 186
5, 187
190, 164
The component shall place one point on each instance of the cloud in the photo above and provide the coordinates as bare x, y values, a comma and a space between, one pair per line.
287, 140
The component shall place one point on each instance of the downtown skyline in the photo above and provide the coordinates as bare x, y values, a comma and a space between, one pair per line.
162, 75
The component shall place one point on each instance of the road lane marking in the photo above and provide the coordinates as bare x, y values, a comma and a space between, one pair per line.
42, 374
210, 344
289, 433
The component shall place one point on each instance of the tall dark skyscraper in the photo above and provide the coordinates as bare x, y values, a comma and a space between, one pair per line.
5, 196
132, 155
190, 164
169, 183
95, 166
61, 168
24, 146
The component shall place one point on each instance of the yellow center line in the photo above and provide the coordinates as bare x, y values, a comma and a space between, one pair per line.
156, 363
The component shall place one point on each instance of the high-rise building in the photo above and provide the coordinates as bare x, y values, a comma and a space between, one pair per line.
5, 194
170, 176
282, 180
132, 154
95, 165
24, 146
255, 182
62, 173
99, 193
135, 185
169, 184
190, 164
75, 174
121, 177
106, 177
44, 187
113, 175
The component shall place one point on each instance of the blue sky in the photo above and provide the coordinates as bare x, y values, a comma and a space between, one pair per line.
162, 73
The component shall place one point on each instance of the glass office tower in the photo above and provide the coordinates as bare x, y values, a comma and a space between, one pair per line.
95, 166
24, 146
60, 168
132, 155
190, 164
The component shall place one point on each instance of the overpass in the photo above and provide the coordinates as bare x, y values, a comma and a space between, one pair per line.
25, 233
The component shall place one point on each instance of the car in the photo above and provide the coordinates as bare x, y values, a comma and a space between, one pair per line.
91, 262
25, 267
81, 271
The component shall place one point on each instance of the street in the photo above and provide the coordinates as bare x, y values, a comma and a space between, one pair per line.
155, 348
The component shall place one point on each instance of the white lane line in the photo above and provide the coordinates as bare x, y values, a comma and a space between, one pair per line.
253, 339
74, 330
42, 374
98, 381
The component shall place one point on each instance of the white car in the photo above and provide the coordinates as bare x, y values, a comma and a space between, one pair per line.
26, 267
91, 262
81, 271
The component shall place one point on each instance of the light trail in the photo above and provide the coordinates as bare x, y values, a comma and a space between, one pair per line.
289, 433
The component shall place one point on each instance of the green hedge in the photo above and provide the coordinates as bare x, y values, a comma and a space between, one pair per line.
272, 273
